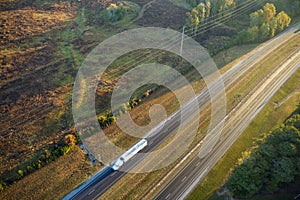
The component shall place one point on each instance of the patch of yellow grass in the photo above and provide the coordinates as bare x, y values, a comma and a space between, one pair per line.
54, 180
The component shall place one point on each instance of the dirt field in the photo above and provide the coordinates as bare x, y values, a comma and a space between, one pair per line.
161, 13
28, 96
42, 45
53, 181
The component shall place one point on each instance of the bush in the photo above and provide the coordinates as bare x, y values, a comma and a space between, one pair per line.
115, 12
275, 161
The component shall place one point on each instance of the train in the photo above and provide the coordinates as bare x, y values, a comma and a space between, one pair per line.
129, 154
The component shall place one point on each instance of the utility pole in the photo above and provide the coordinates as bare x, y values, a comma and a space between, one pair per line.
182, 39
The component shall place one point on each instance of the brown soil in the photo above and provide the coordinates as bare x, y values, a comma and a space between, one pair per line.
31, 100
24, 124
28, 96
162, 13
18, 24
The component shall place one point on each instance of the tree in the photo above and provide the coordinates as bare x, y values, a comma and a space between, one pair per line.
253, 33
193, 19
201, 12
283, 171
246, 180
273, 27
64, 150
257, 18
283, 21
264, 31
70, 140
275, 161
102, 121
208, 9
267, 151
243, 37
287, 149
221, 5
269, 11
294, 121
115, 12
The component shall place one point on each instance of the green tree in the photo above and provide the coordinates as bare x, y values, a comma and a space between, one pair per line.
267, 151
257, 18
64, 150
246, 180
264, 31
102, 119
253, 33
294, 121
287, 149
115, 12
29, 169
273, 27
283, 171
275, 161
221, 5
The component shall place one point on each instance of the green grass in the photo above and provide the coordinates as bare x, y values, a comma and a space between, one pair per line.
227, 56
147, 180
266, 120
240, 89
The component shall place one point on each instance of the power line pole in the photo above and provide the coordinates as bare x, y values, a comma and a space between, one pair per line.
182, 39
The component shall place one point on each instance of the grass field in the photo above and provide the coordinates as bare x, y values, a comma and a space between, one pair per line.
270, 117
257, 73
44, 55
54, 180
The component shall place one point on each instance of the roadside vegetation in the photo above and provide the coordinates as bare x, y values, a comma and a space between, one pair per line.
142, 183
274, 160
276, 111
258, 26
270, 118
54, 180
43, 43
48, 155
264, 24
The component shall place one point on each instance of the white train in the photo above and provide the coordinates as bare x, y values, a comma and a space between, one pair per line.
129, 154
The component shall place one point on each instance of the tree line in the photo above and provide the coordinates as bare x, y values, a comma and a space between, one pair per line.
108, 117
46, 156
204, 9
275, 161
265, 23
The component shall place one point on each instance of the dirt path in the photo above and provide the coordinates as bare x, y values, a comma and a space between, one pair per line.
287, 98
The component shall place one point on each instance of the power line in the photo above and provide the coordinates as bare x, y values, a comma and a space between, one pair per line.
172, 44
222, 18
